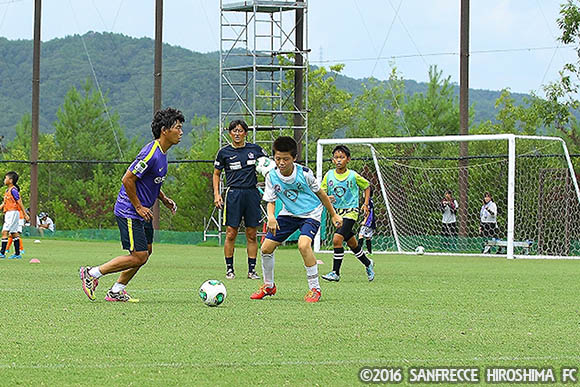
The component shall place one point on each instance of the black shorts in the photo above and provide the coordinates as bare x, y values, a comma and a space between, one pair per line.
242, 203
450, 229
346, 229
136, 234
488, 230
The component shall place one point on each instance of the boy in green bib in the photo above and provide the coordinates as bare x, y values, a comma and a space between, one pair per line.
343, 187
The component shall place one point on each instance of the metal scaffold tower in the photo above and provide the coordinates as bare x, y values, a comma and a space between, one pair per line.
264, 69
263, 75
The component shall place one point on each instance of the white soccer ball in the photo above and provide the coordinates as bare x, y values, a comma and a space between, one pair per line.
213, 292
420, 250
264, 165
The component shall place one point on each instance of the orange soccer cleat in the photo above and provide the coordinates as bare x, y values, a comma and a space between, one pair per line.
313, 295
263, 292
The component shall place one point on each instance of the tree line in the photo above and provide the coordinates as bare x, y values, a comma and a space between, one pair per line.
81, 195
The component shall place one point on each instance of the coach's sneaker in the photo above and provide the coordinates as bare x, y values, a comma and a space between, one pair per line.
121, 296
332, 276
14, 256
230, 275
90, 283
253, 275
371, 271
263, 292
2, 256
313, 295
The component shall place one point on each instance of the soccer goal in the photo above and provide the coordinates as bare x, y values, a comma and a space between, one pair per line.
429, 192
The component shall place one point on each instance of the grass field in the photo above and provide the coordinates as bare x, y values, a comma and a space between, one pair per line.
419, 311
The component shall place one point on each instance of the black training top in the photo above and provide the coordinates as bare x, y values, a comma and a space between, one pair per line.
239, 164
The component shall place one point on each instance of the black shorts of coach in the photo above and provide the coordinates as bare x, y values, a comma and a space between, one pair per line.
136, 234
242, 203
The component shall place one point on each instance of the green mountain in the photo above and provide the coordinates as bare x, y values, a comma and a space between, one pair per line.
124, 68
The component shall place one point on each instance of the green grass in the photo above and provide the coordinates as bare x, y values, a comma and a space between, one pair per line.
419, 311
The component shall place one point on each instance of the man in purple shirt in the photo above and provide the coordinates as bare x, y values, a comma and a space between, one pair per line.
141, 187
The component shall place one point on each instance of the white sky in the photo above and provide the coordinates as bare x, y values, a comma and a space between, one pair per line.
348, 31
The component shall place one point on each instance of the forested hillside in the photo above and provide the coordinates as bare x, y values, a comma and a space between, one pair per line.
124, 69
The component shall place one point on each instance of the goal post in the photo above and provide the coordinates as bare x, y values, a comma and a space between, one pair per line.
530, 180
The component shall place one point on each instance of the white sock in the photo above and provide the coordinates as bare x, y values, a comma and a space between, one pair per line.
95, 272
118, 288
312, 275
268, 269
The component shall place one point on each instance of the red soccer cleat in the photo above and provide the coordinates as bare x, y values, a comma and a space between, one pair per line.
263, 292
313, 295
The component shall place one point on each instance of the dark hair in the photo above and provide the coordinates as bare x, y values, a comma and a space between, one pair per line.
449, 192
341, 148
285, 144
14, 177
241, 123
165, 119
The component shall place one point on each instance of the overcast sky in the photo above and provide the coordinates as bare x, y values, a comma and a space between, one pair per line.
513, 42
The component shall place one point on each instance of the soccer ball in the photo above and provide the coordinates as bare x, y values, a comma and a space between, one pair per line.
212, 292
420, 250
264, 165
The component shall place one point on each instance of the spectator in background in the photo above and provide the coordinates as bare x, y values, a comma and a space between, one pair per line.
449, 208
488, 218
44, 224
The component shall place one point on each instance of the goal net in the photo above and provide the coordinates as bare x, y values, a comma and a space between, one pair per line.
430, 192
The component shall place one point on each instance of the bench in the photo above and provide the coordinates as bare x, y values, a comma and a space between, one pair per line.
525, 245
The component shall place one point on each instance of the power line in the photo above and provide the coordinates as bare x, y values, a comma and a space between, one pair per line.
553, 37
121, 58
452, 53
395, 100
339, 60
3, 18
213, 34
98, 85
397, 14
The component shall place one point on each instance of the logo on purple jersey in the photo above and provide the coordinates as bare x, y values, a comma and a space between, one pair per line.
141, 166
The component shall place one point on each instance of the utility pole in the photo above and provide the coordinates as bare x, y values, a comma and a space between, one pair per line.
157, 79
35, 108
299, 81
463, 115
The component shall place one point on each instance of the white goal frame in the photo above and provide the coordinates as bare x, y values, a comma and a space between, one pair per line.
511, 140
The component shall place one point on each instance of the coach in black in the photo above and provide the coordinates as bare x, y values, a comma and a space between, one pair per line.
242, 198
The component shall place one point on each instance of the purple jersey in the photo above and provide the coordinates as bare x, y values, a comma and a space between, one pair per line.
150, 167
370, 222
